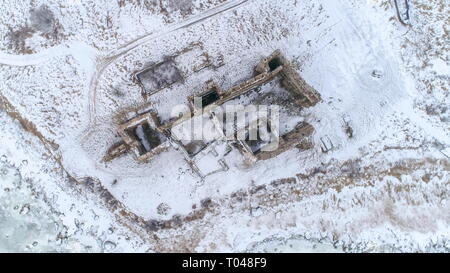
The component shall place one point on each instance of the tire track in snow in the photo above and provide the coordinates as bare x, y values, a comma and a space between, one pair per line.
176, 26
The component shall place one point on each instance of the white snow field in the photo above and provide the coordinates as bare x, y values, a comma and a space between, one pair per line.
67, 80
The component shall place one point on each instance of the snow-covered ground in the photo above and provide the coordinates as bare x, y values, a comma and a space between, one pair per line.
66, 83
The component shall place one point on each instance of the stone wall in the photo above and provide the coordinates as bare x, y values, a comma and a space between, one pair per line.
267, 69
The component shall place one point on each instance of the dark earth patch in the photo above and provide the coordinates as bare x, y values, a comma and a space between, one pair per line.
159, 76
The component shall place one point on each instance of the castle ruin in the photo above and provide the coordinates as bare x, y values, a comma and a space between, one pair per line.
146, 137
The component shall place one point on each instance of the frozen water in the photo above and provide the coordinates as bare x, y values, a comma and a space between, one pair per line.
27, 223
